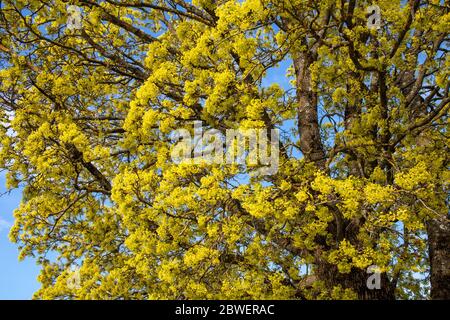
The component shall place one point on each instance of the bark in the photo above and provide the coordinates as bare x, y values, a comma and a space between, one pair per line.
438, 230
313, 151
356, 280
439, 255
310, 141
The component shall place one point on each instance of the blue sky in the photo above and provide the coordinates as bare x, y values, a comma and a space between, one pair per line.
17, 278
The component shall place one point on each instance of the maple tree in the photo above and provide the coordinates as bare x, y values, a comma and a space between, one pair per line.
85, 129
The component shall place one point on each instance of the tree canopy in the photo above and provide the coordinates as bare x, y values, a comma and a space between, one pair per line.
86, 120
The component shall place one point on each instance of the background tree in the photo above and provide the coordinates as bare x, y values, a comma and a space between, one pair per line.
86, 117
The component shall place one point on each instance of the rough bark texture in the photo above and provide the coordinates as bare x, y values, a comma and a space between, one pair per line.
356, 280
310, 141
439, 254
312, 148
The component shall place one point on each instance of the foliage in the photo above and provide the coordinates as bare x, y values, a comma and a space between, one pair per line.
86, 119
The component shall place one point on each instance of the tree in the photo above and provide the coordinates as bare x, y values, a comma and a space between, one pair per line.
87, 117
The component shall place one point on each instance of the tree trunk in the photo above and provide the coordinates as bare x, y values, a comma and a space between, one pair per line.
357, 280
308, 124
439, 255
